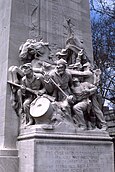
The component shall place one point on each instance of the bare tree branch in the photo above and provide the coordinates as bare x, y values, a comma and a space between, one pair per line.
103, 7
103, 46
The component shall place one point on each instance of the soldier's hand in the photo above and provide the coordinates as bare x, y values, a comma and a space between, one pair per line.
36, 92
70, 99
40, 92
23, 88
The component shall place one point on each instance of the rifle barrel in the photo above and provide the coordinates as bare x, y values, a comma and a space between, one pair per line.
59, 88
17, 85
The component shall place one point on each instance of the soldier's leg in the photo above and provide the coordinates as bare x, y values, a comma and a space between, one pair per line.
67, 110
26, 107
97, 111
78, 109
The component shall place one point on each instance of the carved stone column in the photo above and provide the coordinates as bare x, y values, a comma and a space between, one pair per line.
8, 119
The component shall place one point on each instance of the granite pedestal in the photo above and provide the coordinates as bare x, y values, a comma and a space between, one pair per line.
52, 151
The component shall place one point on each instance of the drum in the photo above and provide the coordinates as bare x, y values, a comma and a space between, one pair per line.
41, 109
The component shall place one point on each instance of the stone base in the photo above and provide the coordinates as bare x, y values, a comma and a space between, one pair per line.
52, 151
9, 160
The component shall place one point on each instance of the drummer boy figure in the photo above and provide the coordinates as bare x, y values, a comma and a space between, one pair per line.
33, 83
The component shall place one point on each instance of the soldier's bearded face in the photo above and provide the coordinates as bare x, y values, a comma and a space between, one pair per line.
60, 69
27, 70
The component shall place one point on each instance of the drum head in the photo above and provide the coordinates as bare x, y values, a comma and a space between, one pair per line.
40, 107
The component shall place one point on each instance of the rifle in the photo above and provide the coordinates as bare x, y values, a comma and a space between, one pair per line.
19, 86
59, 88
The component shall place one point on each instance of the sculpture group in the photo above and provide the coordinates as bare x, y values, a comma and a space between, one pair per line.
55, 88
